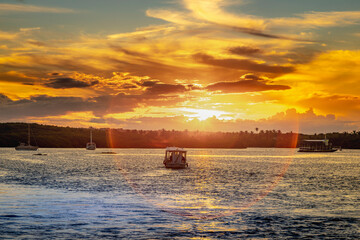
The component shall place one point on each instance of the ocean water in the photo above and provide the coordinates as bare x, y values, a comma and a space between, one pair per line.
254, 193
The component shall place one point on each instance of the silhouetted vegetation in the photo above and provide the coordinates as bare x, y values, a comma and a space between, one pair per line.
65, 137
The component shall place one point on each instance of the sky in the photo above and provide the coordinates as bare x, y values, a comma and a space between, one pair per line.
209, 65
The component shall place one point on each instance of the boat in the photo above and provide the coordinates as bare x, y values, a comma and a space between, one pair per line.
108, 152
91, 145
28, 146
175, 158
321, 145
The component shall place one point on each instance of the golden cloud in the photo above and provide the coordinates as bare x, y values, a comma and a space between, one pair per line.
184, 64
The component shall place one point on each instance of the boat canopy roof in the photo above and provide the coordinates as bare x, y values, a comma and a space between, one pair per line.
175, 149
316, 140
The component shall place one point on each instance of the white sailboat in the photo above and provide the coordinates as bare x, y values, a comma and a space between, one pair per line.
91, 145
28, 146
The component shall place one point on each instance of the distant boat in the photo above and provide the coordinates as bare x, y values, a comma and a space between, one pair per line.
322, 145
108, 153
175, 158
28, 146
91, 145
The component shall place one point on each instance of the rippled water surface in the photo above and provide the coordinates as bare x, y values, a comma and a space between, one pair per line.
224, 194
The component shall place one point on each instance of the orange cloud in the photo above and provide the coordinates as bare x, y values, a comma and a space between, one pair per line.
202, 59
212, 11
348, 106
290, 120
13, 76
7, 35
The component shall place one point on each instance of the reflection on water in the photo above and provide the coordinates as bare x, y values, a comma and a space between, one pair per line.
218, 182
225, 193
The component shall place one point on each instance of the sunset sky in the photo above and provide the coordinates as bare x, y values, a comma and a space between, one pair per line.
215, 65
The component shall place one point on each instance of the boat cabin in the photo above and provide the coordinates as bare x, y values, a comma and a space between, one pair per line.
322, 145
91, 146
175, 158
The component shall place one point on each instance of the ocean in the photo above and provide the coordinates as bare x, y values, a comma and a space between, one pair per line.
253, 193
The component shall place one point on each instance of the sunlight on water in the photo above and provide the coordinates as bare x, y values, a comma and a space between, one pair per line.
215, 184
223, 194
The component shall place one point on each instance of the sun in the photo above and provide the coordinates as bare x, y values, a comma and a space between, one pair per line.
203, 114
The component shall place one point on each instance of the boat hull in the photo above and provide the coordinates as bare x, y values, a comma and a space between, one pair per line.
26, 148
307, 150
90, 146
176, 165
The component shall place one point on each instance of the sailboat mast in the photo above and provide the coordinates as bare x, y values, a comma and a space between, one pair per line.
90, 134
28, 134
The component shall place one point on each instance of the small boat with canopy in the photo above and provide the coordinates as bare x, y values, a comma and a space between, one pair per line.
175, 158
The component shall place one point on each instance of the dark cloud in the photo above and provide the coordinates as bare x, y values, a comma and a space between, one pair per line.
258, 33
168, 73
241, 64
55, 74
244, 50
149, 83
142, 67
301, 55
251, 76
155, 87
68, 83
241, 86
128, 86
98, 120
155, 70
161, 88
44, 105
4, 99
40, 106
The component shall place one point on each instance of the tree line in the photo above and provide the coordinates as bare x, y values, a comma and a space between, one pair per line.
47, 136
